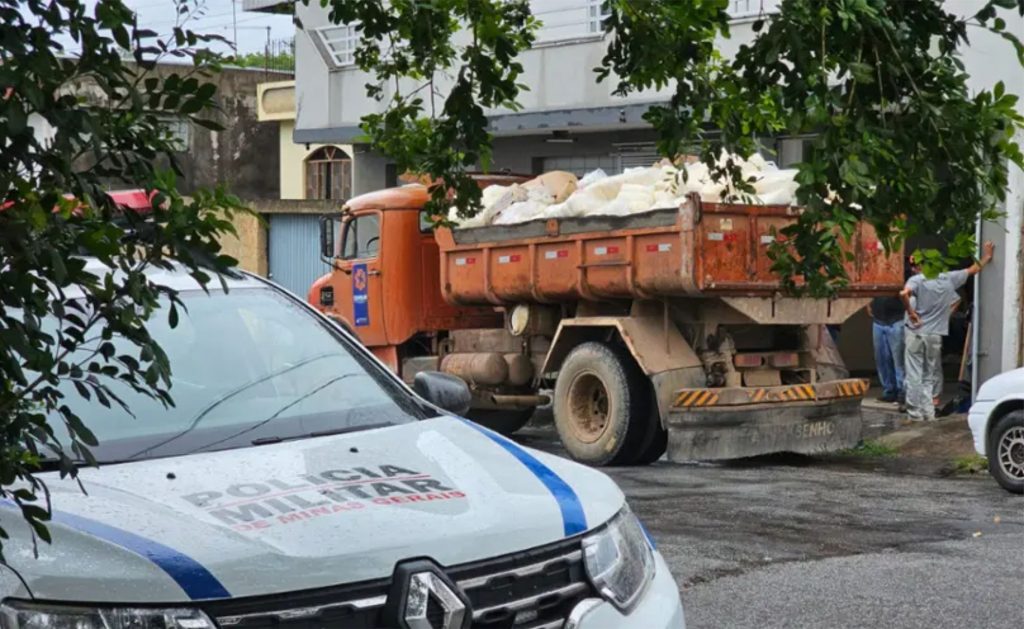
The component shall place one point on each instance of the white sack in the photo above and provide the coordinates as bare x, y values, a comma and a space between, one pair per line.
591, 177
520, 212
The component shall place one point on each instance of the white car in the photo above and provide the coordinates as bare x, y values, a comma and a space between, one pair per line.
997, 423
297, 483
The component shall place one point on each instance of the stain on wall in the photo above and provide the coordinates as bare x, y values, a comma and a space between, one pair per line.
244, 156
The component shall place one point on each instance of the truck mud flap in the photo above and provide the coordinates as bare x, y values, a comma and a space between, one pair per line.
716, 433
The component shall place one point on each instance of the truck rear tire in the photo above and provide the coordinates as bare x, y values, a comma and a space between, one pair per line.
602, 406
654, 444
504, 422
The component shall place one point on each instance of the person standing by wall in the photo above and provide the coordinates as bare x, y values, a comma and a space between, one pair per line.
887, 332
929, 303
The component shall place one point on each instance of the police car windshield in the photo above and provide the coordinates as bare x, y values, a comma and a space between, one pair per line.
248, 366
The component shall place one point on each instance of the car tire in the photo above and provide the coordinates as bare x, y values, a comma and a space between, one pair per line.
1006, 452
602, 405
504, 422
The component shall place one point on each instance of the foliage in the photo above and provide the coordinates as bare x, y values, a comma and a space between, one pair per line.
870, 449
281, 60
57, 318
900, 138
972, 463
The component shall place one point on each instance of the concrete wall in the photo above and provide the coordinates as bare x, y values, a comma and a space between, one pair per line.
244, 152
238, 156
249, 247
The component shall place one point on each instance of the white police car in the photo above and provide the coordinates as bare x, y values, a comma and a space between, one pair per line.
296, 483
997, 422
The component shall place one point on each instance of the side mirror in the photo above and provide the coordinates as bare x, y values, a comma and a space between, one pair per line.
327, 224
443, 390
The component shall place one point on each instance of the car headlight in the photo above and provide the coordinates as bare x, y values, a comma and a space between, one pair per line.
619, 560
24, 615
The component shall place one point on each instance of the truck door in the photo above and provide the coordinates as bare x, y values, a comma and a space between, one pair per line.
361, 262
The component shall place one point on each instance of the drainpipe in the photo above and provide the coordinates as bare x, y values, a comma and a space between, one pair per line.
975, 321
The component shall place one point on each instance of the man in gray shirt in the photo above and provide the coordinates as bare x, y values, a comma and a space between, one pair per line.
929, 303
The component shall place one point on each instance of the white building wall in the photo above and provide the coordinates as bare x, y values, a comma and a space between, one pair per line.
989, 59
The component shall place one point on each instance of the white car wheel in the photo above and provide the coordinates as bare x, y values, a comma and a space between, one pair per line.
1006, 458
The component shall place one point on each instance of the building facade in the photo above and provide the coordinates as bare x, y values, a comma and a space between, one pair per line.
568, 121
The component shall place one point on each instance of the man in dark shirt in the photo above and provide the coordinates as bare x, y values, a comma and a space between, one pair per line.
887, 331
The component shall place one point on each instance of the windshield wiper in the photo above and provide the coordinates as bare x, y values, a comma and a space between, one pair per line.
227, 396
53, 464
284, 408
262, 441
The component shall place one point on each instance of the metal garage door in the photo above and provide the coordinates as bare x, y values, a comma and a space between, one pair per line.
294, 251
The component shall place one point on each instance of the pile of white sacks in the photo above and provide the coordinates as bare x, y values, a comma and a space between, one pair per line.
560, 194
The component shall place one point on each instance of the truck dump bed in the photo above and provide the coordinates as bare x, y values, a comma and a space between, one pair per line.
699, 249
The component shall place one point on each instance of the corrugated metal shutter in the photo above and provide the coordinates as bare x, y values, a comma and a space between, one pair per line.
642, 157
294, 251
580, 165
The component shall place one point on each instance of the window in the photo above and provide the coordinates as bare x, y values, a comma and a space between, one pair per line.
793, 150
362, 238
740, 9
247, 365
568, 19
596, 15
328, 174
340, 42
179, 130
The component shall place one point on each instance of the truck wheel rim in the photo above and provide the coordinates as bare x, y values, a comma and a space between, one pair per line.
588, 407
1011, 453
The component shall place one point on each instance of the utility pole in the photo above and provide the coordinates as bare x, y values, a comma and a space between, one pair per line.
234, 22
267, 65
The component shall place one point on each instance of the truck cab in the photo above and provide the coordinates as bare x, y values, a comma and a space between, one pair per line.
384, 287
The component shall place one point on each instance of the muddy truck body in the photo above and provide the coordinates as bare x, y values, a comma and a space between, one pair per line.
654, 331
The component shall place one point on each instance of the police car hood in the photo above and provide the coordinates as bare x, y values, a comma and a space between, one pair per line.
304, 514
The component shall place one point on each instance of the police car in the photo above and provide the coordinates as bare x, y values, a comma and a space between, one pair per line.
296, 483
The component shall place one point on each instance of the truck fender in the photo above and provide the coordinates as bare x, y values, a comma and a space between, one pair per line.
660, 351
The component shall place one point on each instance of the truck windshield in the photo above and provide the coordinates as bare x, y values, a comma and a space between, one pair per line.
248, 367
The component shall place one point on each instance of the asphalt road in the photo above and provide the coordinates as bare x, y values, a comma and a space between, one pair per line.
797, 543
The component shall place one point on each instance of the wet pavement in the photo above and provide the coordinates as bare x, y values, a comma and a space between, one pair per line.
796, 542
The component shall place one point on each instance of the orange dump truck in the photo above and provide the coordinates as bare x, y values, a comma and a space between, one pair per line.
654, 331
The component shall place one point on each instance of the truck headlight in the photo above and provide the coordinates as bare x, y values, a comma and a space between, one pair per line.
24, 615
619, 560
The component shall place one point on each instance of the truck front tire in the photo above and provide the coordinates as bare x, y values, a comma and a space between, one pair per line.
602, 406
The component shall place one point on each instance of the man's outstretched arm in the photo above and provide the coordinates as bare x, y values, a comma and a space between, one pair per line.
986, 256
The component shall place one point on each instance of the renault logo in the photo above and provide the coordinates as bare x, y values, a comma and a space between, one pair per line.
422, 597
427, 590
